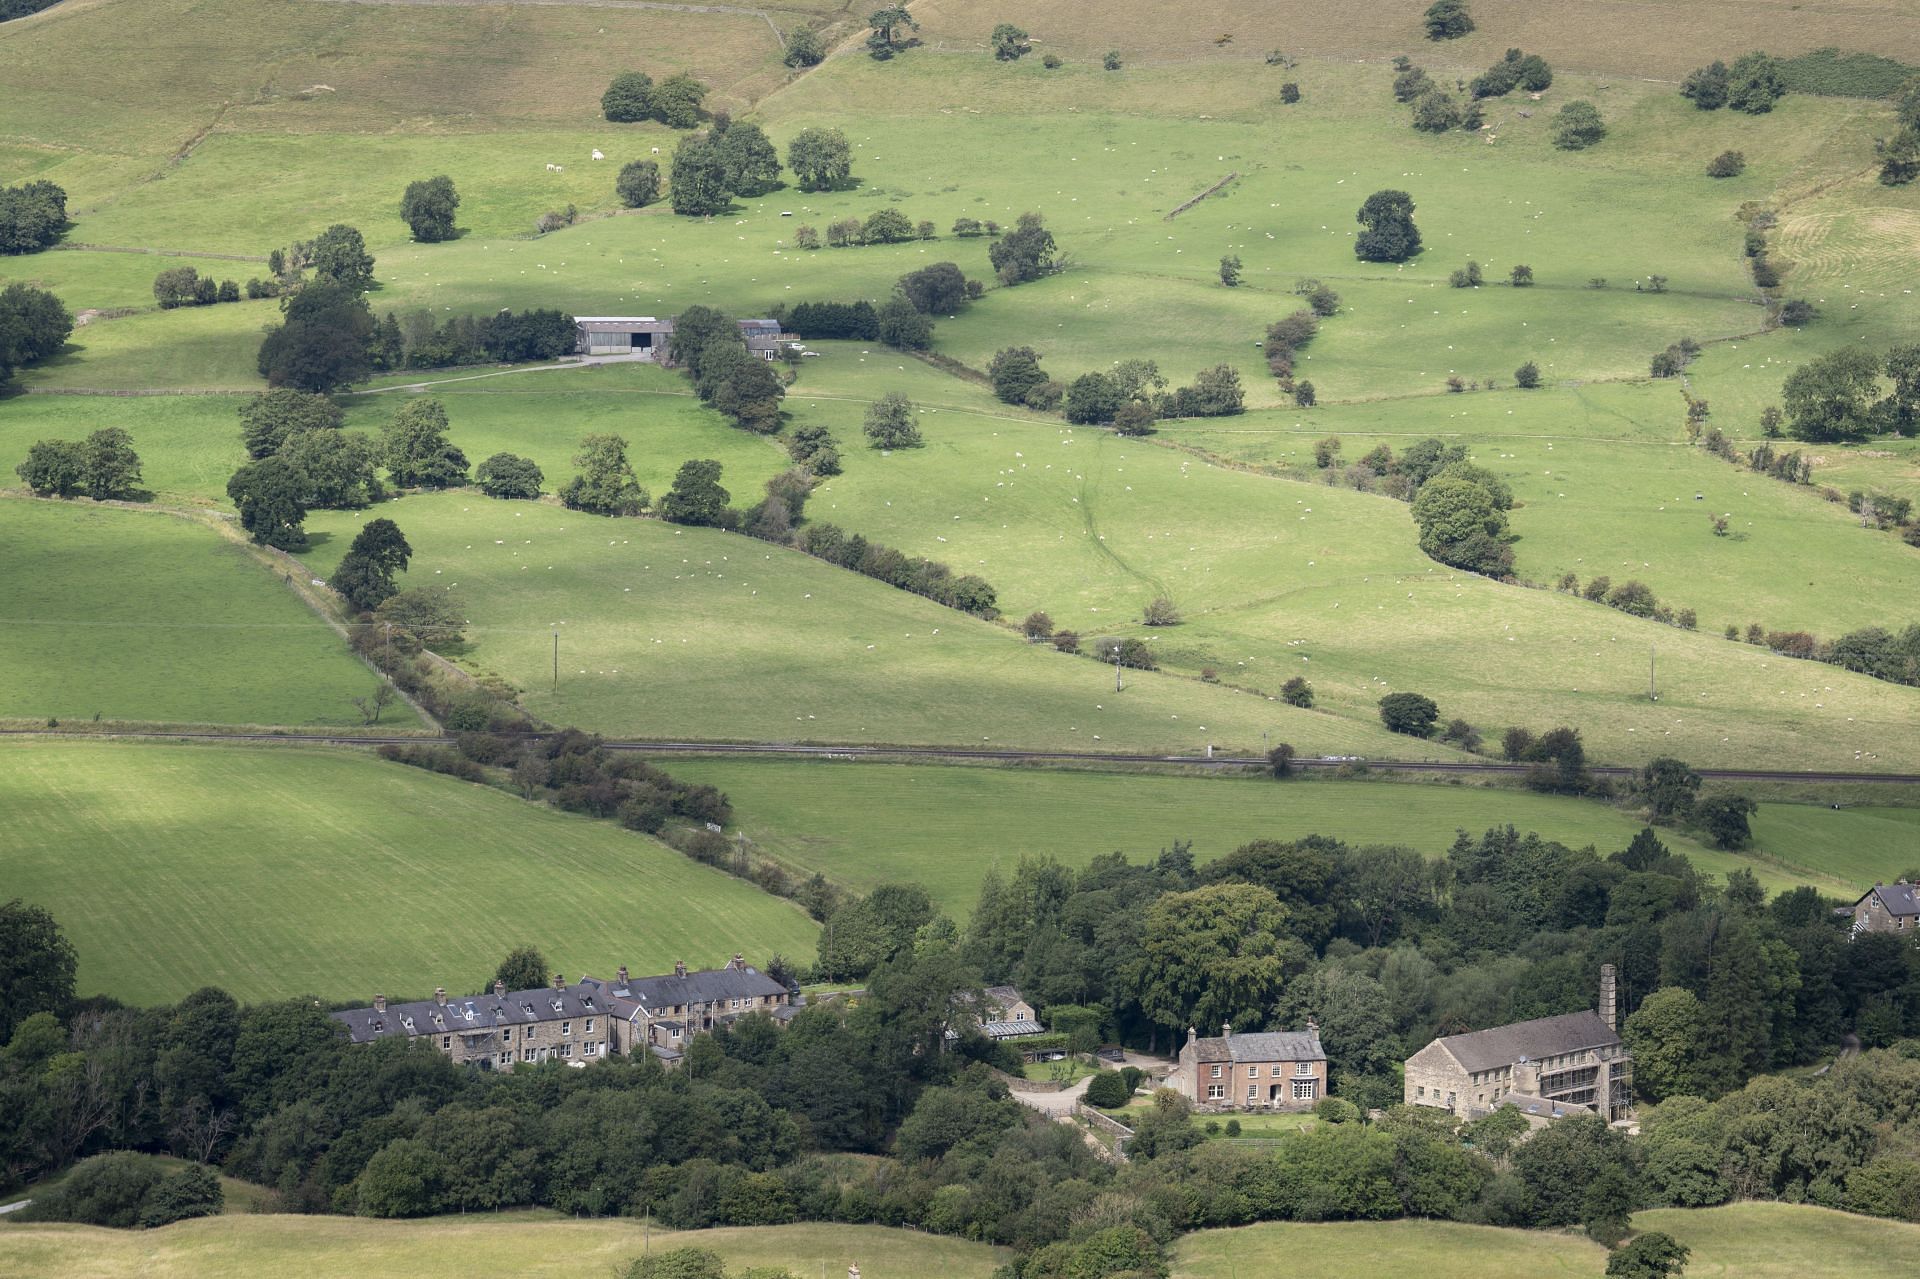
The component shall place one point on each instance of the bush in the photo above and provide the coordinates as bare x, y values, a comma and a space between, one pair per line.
1108, 1090
638, 184
1728, 164
1578, 126
1037, 626
629, 98
1289, 93
1527, 376
1112, 61
506, 475
1160, 611
1280, 761
1448, 20
1066, 641
1297, 692
1409, 713
1051, 61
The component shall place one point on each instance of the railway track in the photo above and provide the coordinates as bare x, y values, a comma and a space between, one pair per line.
882, 753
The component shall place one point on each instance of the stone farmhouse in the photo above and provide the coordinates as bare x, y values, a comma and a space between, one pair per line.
1889, 908
1276, 1070
575, 1023
646, 336
661, 1014
496, 1031
1547, 1068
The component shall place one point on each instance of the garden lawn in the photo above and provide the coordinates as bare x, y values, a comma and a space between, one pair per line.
135, 615
540, 1243
945, 826
686, 632
276, 872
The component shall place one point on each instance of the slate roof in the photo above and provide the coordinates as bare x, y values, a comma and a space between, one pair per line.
1276, 1045
712, 985
1899, 899
622, 324
1543, 1037
1005, 996
474, 1014
1011, 1029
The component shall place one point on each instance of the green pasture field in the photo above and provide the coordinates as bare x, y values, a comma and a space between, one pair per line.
189, 445
274, 872
1607, 484
945, 826
1277, 577
1752, 1240
130, 615
539, 1243
672, 632
241, 1196
115, 280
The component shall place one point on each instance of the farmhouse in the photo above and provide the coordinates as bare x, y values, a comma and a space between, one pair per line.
1547, 1067
646, 336
661, 1014
1889, 908
497, 1031
1277, 1070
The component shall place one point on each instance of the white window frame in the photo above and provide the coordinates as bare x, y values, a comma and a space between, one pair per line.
1303, 1089
1216, 1092
1216, 1071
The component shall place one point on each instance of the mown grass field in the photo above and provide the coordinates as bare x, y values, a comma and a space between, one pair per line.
135, 615
539, 1243
277, 872
1765, 1241
944, 826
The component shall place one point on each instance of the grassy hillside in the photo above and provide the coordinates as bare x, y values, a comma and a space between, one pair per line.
275, 872
1761, 1241
943, 827
541, 1244
130, 615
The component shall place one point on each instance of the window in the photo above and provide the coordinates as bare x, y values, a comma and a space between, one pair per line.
1304, 1069
446, 1042
1303, 1090
1278, 1071
1420, 1091
566, 1028
1253, 1090
528, 1032
526, 1054
676, 1032
506, 1036
1253, 1072
1216, 1072
589, 1025
1216, 1092
506, 1058
566, 1050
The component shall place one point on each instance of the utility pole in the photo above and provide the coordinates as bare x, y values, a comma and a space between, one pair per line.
1117, 685
1653, 693
556, 660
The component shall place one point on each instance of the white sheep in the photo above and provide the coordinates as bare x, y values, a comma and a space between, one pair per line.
597, 155
553, 168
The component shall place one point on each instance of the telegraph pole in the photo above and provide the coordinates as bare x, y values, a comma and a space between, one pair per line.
556, 660
1117, 685
1653, 693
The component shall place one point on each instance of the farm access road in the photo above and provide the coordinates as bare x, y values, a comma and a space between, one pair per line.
897, 753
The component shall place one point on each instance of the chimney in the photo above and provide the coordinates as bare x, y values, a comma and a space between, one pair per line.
559, 982
440, 996
499, 989
1192, 1034
1313, 1027
379, 1003
1226, 1030
679, 968
738, 961
623, 974
1608, 997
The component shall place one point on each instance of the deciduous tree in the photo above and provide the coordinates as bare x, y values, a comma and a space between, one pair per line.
427, 208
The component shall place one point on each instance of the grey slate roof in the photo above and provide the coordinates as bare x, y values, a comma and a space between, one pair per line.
474, 1014
1899, 899
1011, 1029
1276, 1045
1543, 1037
713, 985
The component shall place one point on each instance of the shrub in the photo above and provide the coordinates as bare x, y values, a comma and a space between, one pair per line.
1409, 713
509, 476
1448, 20
1112, 61
1728, 164
638, 184
1037, 626
1066, 641
1297, 692
1160, 611
1051, 61
1527, 376
1289, 93
1108, 1090
1280, 761
1578, 126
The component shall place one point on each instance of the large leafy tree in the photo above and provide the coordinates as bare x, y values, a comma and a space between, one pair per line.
890, 423
524, 968
1666, 1035
751, 163
342, 468
109, 466
629, 98
271, 418
699, 178
638, 184
365, 573
1461, 524
884, 40
1448, 20
54, 468
821, 159
606, 484
37, 965
340, 254
427, 208
271, 497
676, 101
696, 496
1830, 398
415, 448
1216, 954
32, 216
1025, 253
508, 475
1388, 233
33, 326
1755, 83
325, 340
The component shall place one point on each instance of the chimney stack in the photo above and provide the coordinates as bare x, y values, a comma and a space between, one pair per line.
1313, 1027
623, 974
379, 1003
1192, 1034
499, 989
440, 996
738, 962
1609, 996
1226, 1030
559, 982
679, 968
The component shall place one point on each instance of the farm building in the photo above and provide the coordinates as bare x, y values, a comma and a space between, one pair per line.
1888, 908
646, 336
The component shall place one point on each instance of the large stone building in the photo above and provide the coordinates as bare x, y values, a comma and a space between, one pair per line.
661, 1014
1548, 1067
1274, 1070
647, 336
497, 1031
1889, 908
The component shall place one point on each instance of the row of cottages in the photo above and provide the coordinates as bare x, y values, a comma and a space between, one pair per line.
647, 336
1888, 908
1274, 1070
1548, 1068
576, 1022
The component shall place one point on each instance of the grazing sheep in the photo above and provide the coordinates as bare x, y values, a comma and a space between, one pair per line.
553, 168
597, 155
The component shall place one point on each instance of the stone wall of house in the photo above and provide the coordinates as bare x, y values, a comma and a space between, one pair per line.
1431, 1076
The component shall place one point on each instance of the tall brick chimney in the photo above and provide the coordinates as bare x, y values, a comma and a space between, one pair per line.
623, 974
379, 1003
1226, 1030
559, 982
1609, 997
499, 989
440, 996
679, 968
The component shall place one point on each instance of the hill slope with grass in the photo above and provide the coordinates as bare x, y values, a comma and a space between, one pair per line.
277, 872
